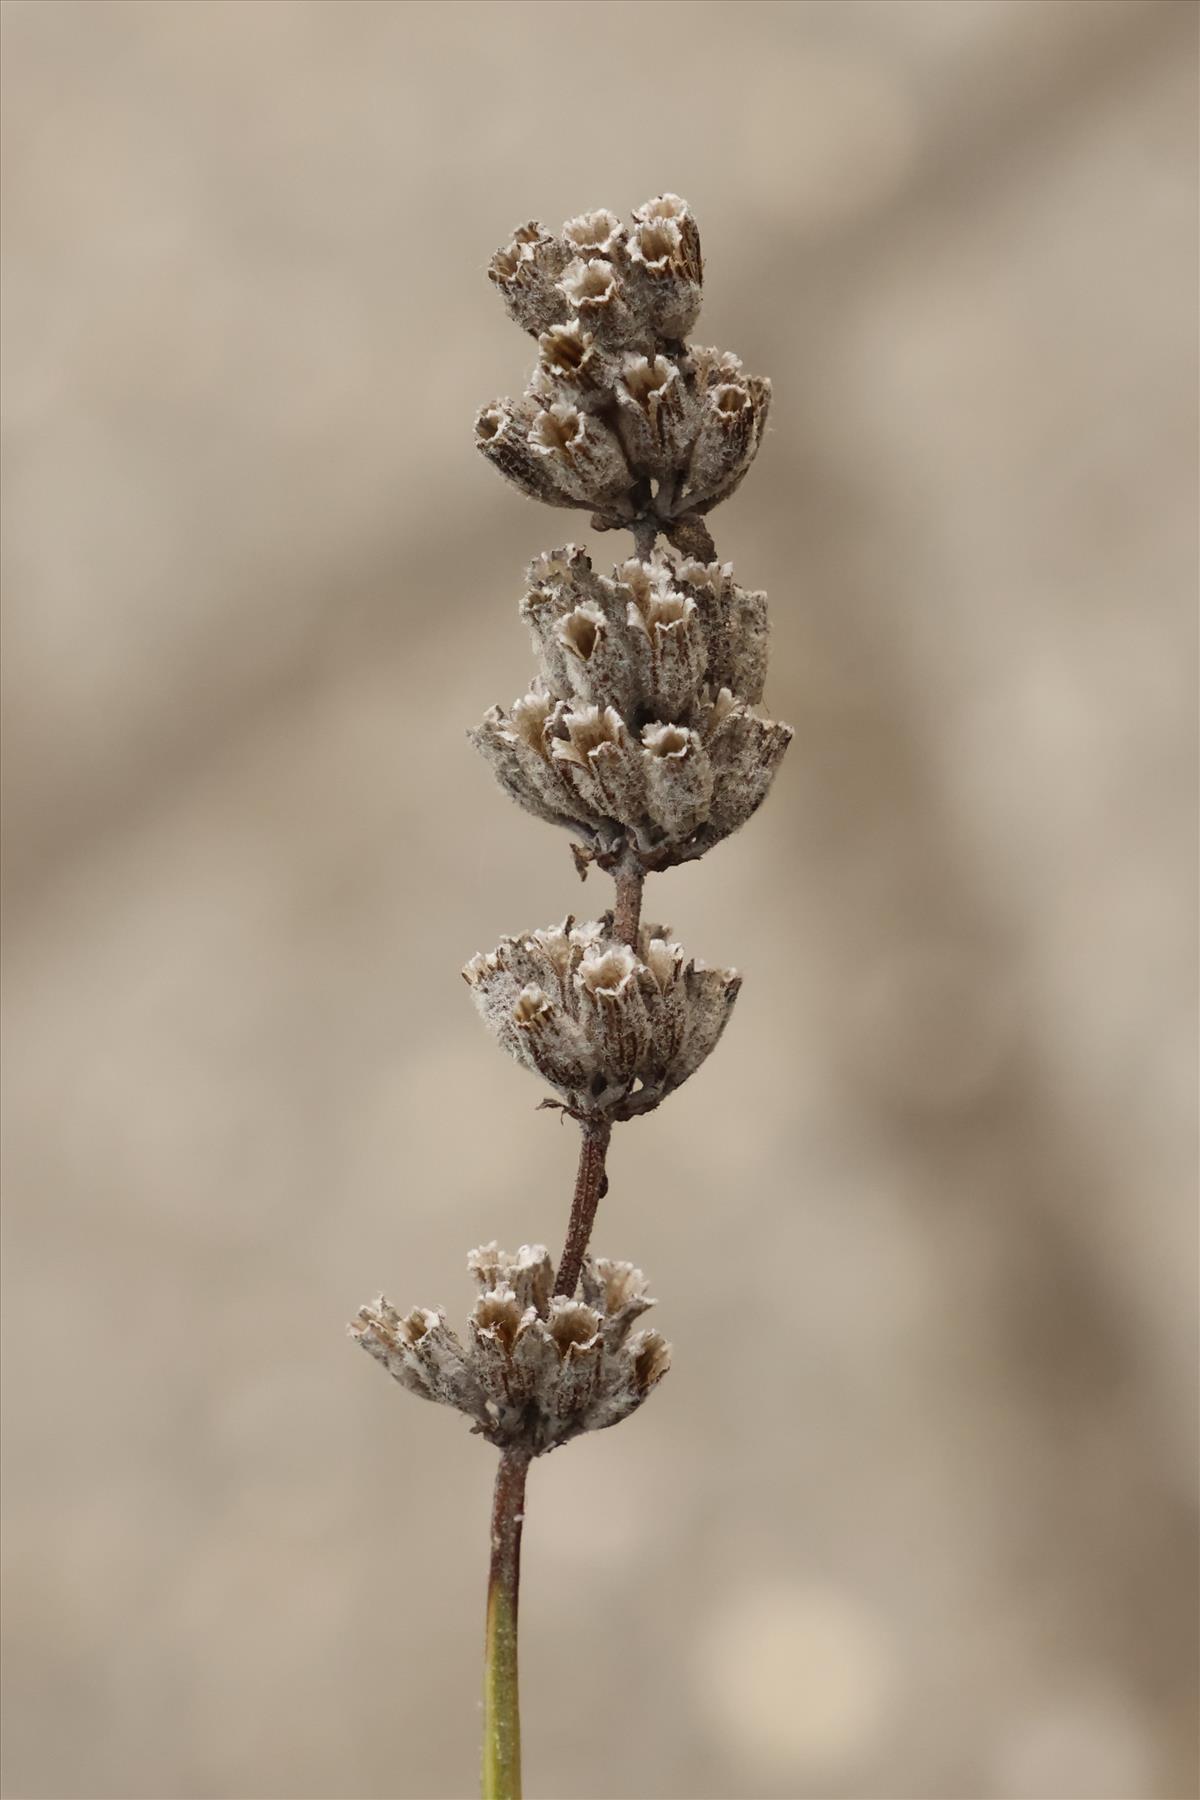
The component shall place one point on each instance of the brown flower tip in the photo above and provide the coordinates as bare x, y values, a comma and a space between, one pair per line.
535, 1370
612, 1029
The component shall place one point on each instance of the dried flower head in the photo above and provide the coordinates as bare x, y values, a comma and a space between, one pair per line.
611, 308
641, 728
535, 1370
612, 1029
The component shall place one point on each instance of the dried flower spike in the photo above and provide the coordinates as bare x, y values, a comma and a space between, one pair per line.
641, 735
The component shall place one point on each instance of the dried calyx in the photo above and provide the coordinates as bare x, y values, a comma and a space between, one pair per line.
612, 1029
674, 429
536, 1369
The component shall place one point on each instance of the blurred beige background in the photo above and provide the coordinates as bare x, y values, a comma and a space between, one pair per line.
914, 1515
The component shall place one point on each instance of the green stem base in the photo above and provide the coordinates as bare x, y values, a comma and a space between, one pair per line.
501, 1696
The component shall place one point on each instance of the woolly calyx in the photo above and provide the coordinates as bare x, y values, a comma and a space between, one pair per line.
502, 435
614, 1031
580, 454
526, 271
663, 287
535, 1370
669, 208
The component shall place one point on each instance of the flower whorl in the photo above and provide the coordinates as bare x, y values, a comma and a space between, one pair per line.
618, 401
614, 1030
536, 1369
641, 726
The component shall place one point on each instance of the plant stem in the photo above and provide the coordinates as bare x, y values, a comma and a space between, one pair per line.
590, 1185
501, 1694
645, 530
628, 878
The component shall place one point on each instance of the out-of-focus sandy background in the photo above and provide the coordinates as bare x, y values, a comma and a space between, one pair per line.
914, 1514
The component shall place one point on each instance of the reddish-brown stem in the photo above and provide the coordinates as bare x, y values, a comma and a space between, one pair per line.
628, 878
590, 1184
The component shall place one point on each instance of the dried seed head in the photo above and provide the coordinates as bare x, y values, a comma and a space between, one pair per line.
612, 1029
611, 308
678, 629
671, 793
642, 728
536, 1370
